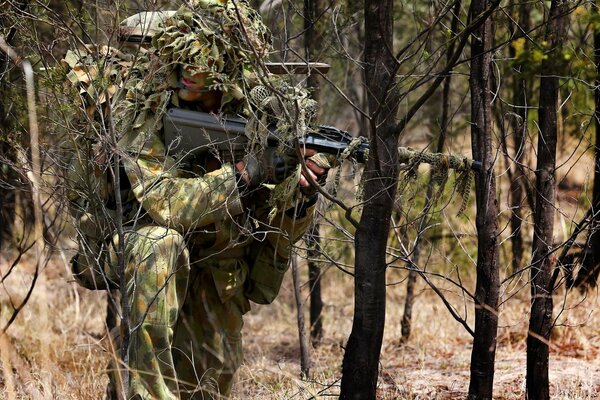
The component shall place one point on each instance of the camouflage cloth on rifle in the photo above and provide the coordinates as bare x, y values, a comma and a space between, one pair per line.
195, 250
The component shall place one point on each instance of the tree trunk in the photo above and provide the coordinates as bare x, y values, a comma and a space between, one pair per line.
406, 323
10, 112
487, 287
314, 279
304, 354
312, 37
361, 359
520, 101
540, 323
587, 276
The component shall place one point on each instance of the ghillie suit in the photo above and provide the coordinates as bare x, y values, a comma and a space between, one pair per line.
195, 246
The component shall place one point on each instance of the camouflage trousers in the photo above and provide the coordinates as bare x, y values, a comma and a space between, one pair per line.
185, 321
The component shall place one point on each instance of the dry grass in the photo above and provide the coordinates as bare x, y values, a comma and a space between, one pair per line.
54, 345
55, 348
434, 364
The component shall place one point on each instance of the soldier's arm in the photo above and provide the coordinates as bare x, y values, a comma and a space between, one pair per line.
170, 198
270, 257
291, 225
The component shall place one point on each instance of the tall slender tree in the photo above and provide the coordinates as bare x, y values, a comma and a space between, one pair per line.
360, 366
14, 202
589, 271
361, 359
312, 37
425, 219
518, 181
487, 287
540, 322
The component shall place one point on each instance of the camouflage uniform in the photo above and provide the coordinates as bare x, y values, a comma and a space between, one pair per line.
197, 332
196, 250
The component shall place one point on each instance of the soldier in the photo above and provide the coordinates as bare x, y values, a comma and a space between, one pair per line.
201, 241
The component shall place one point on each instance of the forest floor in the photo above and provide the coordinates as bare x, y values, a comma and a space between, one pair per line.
56, 348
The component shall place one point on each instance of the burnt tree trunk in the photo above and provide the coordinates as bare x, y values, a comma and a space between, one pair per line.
406, 323
540, 322
587, 276
520, 101
487, 288
361, 359
312, 37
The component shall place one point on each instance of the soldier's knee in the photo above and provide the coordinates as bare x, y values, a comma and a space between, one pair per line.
166, 246
161, 236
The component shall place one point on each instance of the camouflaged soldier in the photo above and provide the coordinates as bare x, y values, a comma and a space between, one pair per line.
202, 240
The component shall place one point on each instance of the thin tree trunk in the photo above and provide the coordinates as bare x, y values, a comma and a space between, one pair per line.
406, 323
112, 311
304, 354
312, 37
520, 100
112, 321
595, 234
125, 325
540, 322
487, 287
33, 172
15, 212
361, 359
314, 279
590, 262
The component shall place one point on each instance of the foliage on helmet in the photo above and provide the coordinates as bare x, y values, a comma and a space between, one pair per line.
221, 38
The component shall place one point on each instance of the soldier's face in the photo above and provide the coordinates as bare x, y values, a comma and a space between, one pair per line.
193, 86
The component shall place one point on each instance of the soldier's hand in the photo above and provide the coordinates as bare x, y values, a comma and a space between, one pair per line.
272, 166
312, 169
269, 166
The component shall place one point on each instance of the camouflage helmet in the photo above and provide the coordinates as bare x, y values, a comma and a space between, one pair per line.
140, 28
222, 39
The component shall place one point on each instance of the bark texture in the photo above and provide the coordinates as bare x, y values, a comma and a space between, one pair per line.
361, 359
487, 288
540, 322
312, 38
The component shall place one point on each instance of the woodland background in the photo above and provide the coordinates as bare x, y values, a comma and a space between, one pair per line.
496, 300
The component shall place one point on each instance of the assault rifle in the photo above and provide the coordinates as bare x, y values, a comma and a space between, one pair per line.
191, 133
